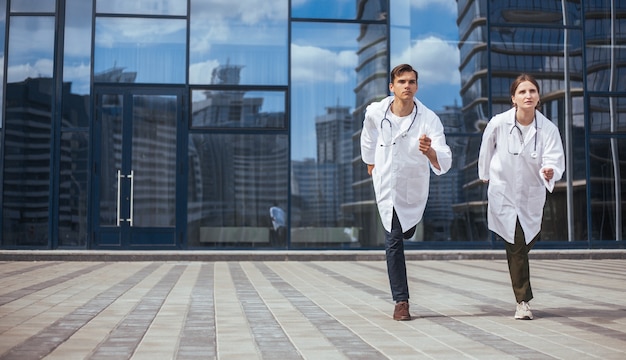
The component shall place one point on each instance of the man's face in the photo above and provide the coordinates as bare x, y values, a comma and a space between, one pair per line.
404, 86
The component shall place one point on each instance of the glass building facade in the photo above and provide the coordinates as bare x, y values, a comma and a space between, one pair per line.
203, 124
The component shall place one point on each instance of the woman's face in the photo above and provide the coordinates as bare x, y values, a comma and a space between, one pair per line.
526, 96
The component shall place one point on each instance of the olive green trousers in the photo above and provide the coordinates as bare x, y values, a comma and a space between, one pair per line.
519, 267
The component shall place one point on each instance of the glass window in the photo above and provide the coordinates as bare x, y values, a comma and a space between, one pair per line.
31, 44
77, 64
73, 190
234, 181
137, 50
250, 38
32, 6
607, 199
333, 9
324, 70
142, 7
607, 114
534, 12
26, 177
3, 6
238, 109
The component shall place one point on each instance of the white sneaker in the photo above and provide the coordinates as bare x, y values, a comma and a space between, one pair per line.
523, 311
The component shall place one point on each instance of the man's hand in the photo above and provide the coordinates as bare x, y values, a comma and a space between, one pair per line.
424, 144
370, 168
430, 153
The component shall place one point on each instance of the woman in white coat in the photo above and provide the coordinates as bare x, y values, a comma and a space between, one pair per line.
401, 141
521, 155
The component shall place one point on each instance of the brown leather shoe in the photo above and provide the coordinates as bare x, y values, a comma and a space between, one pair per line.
401, 311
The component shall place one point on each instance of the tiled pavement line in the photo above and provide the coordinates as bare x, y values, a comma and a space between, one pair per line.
307, 339
234, 339
26, 308
94, 333
556, 267
554, 331
161, 339
125, 337
16, 294
558, 295
271, 341
609, 268
344, 339
366, 316
197, 338
27, 268
50, 337
471, 332
116, 305
24, 317
429, 331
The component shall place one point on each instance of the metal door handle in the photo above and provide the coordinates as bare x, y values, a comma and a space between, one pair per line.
132, 195
119, 183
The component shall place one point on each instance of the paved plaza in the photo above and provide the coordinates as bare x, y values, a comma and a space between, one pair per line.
254, 308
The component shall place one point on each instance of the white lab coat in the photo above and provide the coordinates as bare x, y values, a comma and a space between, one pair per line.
401, 176
517, 188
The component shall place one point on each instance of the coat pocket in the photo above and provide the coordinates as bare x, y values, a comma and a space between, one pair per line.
536, 201
495, 198
414, 185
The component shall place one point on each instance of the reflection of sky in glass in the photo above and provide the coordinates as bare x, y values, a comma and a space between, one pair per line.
323, 74
249, 33
31, 45
77, 45
154, 48
331, 9
143, 7
32, 6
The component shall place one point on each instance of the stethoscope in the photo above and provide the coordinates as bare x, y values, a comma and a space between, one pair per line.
521, 137
389, 121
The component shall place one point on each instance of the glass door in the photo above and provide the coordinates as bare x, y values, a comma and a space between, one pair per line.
135, 192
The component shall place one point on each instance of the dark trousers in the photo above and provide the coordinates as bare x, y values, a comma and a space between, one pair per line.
396, 265
519, 267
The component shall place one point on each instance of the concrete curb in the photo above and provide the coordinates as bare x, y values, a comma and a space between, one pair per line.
291, 255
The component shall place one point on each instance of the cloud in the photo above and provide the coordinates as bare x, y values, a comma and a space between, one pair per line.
200, 73
449, 5
40, 68
436, 60
247, 11
315, 64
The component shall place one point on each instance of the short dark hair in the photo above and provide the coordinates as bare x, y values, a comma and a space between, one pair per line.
401, 69
520, 79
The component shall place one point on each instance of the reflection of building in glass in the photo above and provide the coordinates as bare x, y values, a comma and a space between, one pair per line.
234, 178
372, 85
445, 190
325, 184
26, 179
115, 75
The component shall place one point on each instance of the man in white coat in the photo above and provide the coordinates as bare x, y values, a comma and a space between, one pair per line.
401, 140
521, 155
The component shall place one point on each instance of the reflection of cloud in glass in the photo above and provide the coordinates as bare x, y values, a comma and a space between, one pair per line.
312, 64
249, 12
201, 73
155, 7
436, 60
111, 31
78, 75
40, 68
